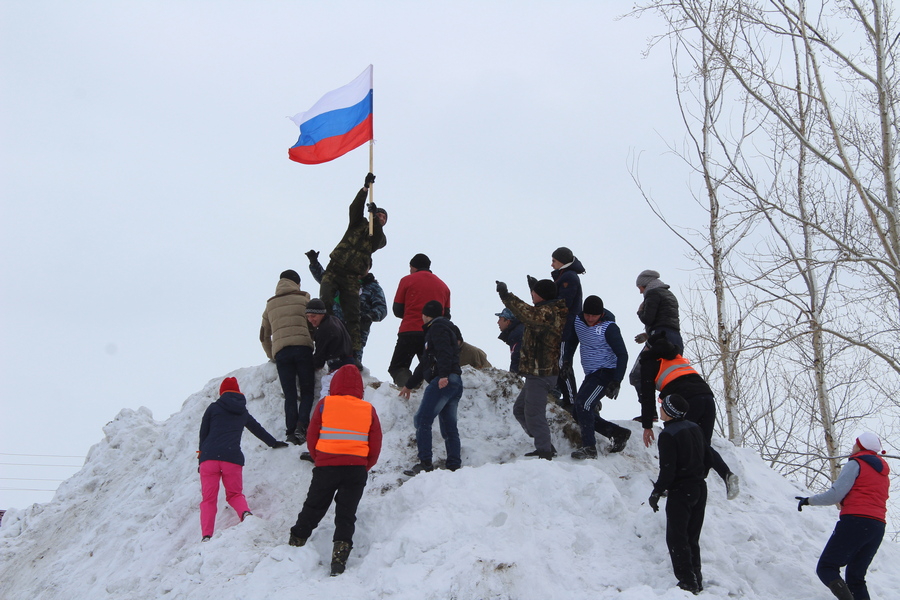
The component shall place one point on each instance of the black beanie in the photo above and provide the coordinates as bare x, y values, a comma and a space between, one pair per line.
675, 406
546, 289
433, 309
593, 305
563, 255
315, 307
420, 262
292, 275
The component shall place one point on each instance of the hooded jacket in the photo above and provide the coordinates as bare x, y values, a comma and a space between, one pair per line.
284, 319
568, 285
659, 308
344, 424
441, 354
221, 428
353, 253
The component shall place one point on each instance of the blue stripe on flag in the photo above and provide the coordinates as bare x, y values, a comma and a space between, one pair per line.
334, 123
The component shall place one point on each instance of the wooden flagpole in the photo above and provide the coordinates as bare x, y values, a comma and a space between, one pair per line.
371, 185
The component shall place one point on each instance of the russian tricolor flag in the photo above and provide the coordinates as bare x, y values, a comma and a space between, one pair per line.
339, 122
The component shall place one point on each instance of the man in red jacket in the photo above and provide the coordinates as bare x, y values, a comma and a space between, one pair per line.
344, 441
862, 491
414, 292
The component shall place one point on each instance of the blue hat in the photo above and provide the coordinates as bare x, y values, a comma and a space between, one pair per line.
506, 314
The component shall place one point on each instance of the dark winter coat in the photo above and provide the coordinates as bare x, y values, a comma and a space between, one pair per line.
221, 428
332, 342
568, 287
512, 336
353, 254
659, 309
543, 334
372, 303
683, 455
441, 355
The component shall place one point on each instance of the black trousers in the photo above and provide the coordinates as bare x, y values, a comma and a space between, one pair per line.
409, 344
344, 485
685, 510
702, 411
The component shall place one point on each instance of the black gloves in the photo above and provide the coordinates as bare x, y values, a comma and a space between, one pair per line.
803, 501
280, 445
313, 256
612, 390
371, 206
370, 179
531, 282
502, 289
654, 501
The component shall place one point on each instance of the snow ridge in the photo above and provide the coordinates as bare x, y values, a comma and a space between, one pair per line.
126, 526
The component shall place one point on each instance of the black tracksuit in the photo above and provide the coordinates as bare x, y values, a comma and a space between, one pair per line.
683, 465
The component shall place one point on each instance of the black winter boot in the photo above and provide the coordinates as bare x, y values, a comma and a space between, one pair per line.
585, 452
339, 557
619, 439
296, 541
840, 590
422, 465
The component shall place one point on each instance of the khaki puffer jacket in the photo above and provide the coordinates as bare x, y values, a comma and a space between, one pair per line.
284, 320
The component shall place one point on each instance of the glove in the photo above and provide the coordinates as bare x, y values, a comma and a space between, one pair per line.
531, 282
280, 445
370, 179
502, 289
612, 390
313, 256
371, 206
654, 502
803, 501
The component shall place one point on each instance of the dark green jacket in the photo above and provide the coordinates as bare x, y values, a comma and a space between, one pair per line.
352, 254
543, 332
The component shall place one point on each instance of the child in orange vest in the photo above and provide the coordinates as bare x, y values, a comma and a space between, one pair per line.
344, 441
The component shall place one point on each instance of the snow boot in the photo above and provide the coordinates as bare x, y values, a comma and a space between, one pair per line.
585, 453
840, 590
306, 456
543, 455
296, 541
732, 486
339, 557
619, 439
300, 434
690, 587
422, 465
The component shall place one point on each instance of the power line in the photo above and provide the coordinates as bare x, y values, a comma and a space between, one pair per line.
36, 465
41, 455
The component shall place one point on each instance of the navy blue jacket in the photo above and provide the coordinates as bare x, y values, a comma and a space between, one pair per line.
683, 455
512, 335
441, 356
568, 287
221, 428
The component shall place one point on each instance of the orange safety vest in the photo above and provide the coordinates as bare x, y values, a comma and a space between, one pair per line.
346, 421
669, 370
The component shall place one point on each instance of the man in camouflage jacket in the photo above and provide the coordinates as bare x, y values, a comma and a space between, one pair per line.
351, 260
538, 358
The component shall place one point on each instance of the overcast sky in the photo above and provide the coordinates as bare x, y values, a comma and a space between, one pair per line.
148, 204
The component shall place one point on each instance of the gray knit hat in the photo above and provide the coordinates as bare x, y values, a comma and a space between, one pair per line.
646, 277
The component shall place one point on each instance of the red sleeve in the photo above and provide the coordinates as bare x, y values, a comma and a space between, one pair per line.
400, 296
374, 440
312, 432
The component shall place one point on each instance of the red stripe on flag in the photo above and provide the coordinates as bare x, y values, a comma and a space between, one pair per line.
333, 147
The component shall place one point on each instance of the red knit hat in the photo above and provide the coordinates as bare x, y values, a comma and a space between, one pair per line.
229, 384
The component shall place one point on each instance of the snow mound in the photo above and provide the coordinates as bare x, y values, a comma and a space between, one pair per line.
126, 526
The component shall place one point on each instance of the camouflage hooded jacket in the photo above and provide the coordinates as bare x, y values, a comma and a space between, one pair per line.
353, 253
543, 332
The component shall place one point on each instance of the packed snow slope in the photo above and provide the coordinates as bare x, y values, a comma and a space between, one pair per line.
503, 527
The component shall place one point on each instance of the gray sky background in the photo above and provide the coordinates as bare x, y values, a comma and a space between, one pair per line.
148, 204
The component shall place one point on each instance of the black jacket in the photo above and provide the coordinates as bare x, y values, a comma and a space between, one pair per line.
512, 336
332, 342
441, 356
683, 455
221, 428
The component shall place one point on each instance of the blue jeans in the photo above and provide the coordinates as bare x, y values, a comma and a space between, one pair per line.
440, 403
